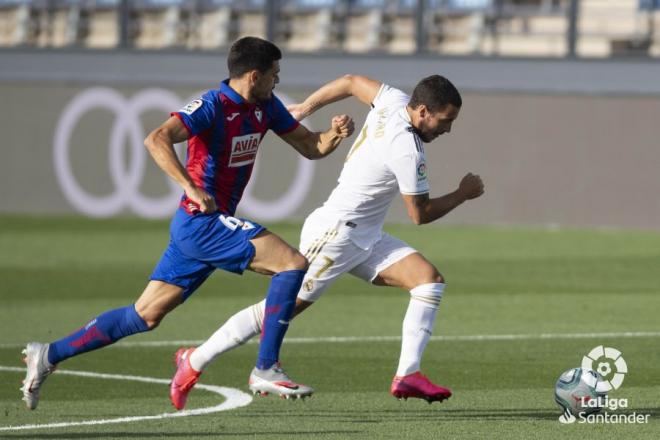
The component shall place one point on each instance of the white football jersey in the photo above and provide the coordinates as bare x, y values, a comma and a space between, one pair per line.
387, 158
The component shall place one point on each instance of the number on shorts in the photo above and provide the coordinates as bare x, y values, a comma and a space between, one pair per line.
327, 265
233, 223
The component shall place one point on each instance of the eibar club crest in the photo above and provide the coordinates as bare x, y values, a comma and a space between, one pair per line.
257, 113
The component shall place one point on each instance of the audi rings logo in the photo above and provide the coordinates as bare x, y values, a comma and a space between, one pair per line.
127, 180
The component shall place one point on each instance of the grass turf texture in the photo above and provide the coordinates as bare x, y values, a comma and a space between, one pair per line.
56, 273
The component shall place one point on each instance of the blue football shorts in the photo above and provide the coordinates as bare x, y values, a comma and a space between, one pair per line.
201, 243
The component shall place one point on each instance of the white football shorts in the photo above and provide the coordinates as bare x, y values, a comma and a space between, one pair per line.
331, 253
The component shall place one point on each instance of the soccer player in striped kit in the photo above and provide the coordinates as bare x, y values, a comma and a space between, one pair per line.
345, 234
224, 129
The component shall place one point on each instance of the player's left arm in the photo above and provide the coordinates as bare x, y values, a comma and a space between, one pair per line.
363, 88
315, 145
422, 209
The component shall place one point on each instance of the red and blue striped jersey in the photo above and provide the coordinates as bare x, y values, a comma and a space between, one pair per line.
224, 136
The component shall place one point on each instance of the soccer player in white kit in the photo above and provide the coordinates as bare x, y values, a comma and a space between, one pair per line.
345, 234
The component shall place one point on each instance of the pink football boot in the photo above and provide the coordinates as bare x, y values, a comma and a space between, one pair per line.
419, 386
184, 379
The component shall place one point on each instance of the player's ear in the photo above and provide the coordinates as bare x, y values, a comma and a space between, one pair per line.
423, 111
253, 76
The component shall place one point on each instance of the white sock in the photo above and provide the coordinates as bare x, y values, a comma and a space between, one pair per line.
418, 325
236, 331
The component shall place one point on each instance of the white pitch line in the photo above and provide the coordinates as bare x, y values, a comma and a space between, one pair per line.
234, 399
351, 339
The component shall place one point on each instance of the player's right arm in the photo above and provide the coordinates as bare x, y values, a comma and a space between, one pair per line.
422, 209
315, 145
363, 88
160, 144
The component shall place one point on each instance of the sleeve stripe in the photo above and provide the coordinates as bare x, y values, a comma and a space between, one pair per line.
418, 193
418, 143
419, 146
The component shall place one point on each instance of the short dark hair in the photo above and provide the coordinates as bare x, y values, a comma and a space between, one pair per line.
435, 92
251, 53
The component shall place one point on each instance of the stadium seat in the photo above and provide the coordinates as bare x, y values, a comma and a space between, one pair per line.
252, 19
211, 25
612, 28
158, 23
507, 28
364, 25
65, 23
457, 26
401, 27
310, 25
100, 27
654, 49
17, 23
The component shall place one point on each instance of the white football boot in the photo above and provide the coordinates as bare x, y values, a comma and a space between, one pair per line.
274, 380
38, 369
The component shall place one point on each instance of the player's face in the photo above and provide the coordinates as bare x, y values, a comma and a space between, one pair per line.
432, 125
263, 88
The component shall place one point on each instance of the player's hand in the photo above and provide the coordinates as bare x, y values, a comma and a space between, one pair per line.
471, 186
343, 125
297, 111
205, 201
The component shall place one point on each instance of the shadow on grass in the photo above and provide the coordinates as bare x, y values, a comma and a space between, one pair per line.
185, 434
436, 414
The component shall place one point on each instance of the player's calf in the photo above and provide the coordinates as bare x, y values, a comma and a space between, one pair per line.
280, 303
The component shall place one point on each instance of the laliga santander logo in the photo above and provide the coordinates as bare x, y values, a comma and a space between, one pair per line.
609, 363
127, 180
603, 370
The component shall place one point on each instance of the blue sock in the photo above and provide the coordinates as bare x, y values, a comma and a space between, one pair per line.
280, 302
103, 330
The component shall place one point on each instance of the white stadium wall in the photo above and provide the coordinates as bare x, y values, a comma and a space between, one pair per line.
566, 143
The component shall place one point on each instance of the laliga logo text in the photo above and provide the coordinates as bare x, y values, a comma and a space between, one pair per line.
127, 180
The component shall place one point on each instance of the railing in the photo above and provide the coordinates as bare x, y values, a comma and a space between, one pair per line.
550, 28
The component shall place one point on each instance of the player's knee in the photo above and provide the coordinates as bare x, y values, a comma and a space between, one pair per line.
428, 275
152, 321
297, 261
150, 317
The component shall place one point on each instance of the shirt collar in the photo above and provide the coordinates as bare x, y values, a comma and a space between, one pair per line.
226, 90
406, 116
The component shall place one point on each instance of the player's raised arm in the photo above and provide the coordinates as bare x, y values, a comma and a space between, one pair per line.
315, 145
422, 209
363, 88
160, 144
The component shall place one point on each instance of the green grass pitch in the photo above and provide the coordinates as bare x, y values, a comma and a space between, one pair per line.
56, 273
